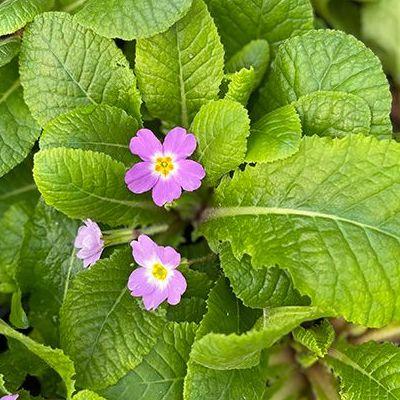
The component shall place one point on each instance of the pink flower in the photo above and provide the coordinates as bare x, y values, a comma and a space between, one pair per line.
89, 241
10, 397
157, 278
165, 167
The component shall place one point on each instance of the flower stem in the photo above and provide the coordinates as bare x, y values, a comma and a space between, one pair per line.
391, 332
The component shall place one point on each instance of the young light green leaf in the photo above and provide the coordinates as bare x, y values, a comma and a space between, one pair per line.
9, 48
99, 128
127, 19
383, 37
236, 351
87, 395
103, 328
318, 338
180, 70
55, 358
334, 114
221, 128
48, 263
368, 371
254, 54
273, 20
240, 86
330, 61
18, 317
18, 130
269, 287
64, 66
276, 136
15, 14
61, 176
160, 376
18, 186
302, 203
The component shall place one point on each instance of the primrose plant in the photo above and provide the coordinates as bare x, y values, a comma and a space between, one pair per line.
199, 200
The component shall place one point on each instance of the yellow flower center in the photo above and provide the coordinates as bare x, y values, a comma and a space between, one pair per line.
159, 272
164, 165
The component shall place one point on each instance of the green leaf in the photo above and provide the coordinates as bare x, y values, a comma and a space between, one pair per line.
12, 232
180, 70
368, 371
17, 186
3, 389
9, 48
15, 14
160, 376
383, 37
221, 128
87, 395
329, 61
276, 136
48, 265
269, 287
189, 309
55, 358
254, 54
236, 351
64, 66
340, 245
333, 114
103, 328
18, 130
99, 128
318, 338
127, 19
18, 317
273, 20
241, 84
60, 176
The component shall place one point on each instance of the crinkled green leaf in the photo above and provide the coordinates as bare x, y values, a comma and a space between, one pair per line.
55, 358
221, 128
127, 19
15, 14
47, 266
275, 136
240, 86
334, 114
18, 130
103, 328
381, 30
180, 70
64, 66
86, 184
340, 245
368, 371
318, 338
199, 283
240, 22
160, 376
18, 186
190, 309
330, 61
9, 48
235, 351
18, 316
99, 128
12, 226
259, 288
254, 54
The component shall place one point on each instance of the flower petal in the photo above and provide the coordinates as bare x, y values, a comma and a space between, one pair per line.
145, 144
176, 288
169, 256
179, 143
189, 174
165, 191
153, 300
144, 250
138, 283
140, 178
90, 260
